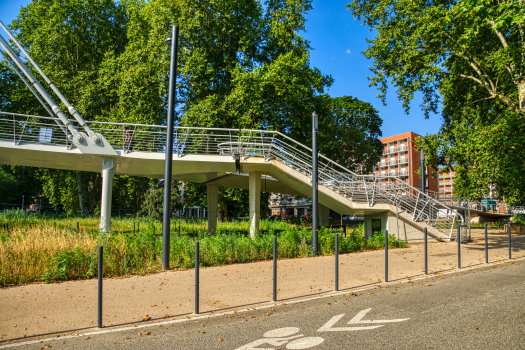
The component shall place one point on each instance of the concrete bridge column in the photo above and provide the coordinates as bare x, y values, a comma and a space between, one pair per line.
213, 200
254, 186
324, 215
107, 190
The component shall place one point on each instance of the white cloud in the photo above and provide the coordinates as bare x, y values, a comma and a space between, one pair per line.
348, 51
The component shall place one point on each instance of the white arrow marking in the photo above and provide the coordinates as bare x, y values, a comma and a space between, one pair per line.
361, 314
328, 326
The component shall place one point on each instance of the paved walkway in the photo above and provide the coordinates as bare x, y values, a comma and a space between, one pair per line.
51, 309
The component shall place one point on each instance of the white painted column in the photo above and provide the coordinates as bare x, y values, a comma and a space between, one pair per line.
107, 189
255, 201
213, 200
324, 215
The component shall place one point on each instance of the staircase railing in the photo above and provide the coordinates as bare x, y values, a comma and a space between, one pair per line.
126, 138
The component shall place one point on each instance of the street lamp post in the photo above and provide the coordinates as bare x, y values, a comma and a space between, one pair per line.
423, 171
166, 223
315, 211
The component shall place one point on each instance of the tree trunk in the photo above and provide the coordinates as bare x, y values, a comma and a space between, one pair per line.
93, 193
222, 213
81, 189
521, 96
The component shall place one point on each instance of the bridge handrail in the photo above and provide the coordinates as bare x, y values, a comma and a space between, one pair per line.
270, 144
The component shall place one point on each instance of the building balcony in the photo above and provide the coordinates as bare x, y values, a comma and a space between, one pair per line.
396, 149
403, 160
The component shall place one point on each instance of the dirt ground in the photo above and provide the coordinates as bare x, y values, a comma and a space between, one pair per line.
68, 307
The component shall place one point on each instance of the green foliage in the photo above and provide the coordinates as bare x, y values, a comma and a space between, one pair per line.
71, 264
349, 132
8, 188
519, 219
468, 57
153, 205
241, 64
139, 252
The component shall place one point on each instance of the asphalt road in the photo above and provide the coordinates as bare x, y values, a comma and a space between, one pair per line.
478, 309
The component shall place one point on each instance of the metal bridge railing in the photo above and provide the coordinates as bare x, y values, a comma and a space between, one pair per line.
243, 143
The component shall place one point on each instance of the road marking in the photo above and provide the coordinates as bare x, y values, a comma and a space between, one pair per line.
281, 332
305, 343
357, 318
329, 326
437, 274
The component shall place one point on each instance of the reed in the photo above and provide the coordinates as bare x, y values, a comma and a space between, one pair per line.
50, 248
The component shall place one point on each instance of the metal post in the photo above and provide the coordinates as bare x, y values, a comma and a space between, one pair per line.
274, 268
397, 220
510, 248
78, 227
100, 276
197, 277
469, 231
458, 238
336, 262
426, 252
422, 171
486, 246
169, 149
386, 255
315, 209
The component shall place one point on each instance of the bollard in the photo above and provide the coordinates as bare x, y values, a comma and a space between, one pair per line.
426, 252
510, 248
274, 268
197, 277
100, 277
336, 262
486, 246
78, 227
386, 255
458, 238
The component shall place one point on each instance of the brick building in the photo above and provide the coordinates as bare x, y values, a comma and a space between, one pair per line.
401, 159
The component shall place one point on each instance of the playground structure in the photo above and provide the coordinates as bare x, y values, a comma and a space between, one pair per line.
250, 159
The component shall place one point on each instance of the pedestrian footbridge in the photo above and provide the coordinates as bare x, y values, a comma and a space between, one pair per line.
257, 160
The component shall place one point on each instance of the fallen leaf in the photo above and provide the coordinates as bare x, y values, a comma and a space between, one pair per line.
220, 339
147, 333
146, 318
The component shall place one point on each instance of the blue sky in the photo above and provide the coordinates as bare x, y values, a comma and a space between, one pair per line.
337, 41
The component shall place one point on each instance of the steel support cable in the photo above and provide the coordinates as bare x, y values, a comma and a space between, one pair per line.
95, 139
38, 87
13, 67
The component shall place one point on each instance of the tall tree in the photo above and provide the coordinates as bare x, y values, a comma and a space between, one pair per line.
468, 56
72, 40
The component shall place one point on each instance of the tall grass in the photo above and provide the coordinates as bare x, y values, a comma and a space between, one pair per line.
34, 250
